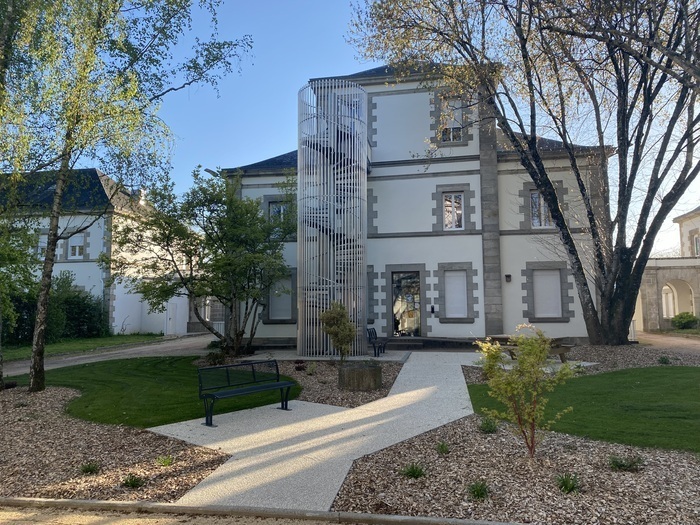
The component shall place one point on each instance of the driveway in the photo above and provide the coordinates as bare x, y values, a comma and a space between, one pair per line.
191, 345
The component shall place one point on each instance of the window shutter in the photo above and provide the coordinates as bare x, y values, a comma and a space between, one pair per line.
456, 293
280, 306
547, 288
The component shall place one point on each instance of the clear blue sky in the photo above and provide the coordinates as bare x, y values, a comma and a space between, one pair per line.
255, 117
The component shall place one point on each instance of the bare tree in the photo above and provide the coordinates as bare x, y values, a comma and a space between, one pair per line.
595, 97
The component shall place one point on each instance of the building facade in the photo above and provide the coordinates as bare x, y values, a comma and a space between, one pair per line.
458, 242
93, 204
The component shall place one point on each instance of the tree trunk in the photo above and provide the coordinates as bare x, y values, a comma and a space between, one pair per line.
2, 376
37, 374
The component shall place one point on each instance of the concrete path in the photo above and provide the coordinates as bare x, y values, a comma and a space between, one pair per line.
191, 345
299, 459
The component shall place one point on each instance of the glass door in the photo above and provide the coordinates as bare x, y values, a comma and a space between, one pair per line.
406, 303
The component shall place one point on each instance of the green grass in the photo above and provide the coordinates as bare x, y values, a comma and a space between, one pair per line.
647, 407
144, 392
76, 346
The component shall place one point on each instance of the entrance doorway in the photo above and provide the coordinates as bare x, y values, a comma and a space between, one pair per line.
406, 301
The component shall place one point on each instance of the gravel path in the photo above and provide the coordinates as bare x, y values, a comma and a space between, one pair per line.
43, 450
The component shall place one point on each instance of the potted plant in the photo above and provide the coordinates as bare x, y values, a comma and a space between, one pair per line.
362, 375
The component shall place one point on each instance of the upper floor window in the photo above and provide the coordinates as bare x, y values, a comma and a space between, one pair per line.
453, 120
539, 212
696, 245
277, 210
76, 246
453, 208
43, 243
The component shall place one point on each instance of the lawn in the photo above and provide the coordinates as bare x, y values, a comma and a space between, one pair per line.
144, 392
647, 407
76, 346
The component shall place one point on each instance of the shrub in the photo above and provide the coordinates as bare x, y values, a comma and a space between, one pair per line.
442, 448
664, 360
413, 470
132, 481
568, 483
337, 324
312, 369
626, 464
521, 388
165, 461
91, 467
684, 321
478, 490
488, 425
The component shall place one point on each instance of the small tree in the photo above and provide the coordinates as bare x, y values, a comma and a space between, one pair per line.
211, 242
521, 388
337, 324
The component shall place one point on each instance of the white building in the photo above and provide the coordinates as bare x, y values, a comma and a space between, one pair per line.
458, 242
92, 204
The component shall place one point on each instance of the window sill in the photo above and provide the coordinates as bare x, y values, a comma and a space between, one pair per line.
456, 320
541, 320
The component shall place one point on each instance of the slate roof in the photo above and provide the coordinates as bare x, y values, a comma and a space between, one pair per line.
687, 215
274, 164
87, 190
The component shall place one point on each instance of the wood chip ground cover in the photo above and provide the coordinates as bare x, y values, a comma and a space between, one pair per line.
43, 450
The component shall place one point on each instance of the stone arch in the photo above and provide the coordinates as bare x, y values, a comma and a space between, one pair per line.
669, 286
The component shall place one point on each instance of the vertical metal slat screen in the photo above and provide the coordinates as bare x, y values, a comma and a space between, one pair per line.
332, 210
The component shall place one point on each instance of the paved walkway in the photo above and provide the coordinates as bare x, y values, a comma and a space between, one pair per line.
299, 459
191, 345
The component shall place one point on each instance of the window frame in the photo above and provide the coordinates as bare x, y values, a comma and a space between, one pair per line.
542, 215
456, 212
566, 291
80, 250
441, 289
266, 319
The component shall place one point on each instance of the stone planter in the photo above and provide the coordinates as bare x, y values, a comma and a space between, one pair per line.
361, 377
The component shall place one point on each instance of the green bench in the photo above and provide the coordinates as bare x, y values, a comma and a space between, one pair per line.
379, 346
223, 382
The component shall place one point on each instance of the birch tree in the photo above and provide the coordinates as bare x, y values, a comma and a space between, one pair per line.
81, 82
582, 90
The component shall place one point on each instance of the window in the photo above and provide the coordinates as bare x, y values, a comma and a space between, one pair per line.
453, 209
547, 292
539, 212
43, 243
456, 300
76, 246
453, 120
277, 210
696, 245
281, 300
453, 212
456, 293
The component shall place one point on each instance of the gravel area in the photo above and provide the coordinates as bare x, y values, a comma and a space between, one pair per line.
664, 491
43, 450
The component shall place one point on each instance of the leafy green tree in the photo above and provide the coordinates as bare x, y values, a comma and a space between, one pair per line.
17, 262
628, 119
209, 243
81, 82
